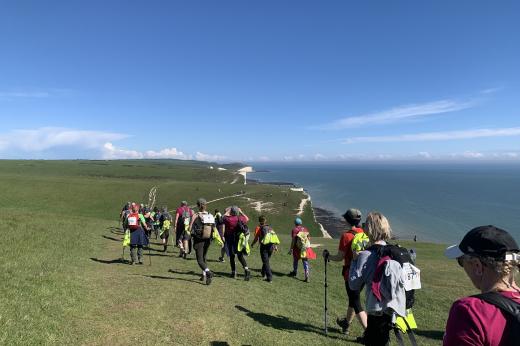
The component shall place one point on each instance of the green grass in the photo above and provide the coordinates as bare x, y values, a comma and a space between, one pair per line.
61, 280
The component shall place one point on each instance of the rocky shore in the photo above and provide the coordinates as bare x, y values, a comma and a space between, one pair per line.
330, 222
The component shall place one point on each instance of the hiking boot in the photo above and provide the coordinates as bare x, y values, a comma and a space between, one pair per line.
292, 274
343, 323
247, 275
221, 259
184, 255
180, 254
209, 277
141, 262
268, 280
361, 339
202, 277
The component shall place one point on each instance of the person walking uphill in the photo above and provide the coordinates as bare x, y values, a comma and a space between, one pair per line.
300, 246
165, 222
268, 240
183, 217
345, 253
138, 237
490, 257
235, 227
201, 227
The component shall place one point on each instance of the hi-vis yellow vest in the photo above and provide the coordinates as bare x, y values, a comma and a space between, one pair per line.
360, 242
216, 237
410, 320
243, 243
270, 238
126, 239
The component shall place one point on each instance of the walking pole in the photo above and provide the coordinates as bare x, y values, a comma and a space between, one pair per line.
149, 252
325, 310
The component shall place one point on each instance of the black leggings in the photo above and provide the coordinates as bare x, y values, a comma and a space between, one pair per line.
378, 330
201, 247
241, 259
354, 299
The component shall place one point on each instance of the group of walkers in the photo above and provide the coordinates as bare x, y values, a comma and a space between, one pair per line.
489, 255
490, 258
196, 230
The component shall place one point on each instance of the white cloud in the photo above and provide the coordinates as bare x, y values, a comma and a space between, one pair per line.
207, 157
24, 94
168, 153
44, 138
437, 136
401, 113
319, 157
425, 155
110, 152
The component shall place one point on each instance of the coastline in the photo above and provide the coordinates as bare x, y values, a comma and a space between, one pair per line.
330, 225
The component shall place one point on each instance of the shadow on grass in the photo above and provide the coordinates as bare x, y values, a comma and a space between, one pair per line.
112, 238
274, 273
219, 343
159, 277
282, 323
114, 261
430, 334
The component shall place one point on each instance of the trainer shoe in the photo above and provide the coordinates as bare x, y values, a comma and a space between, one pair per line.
343, 323
209, 277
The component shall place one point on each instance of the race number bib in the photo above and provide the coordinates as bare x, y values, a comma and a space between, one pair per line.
132, 221
411, 277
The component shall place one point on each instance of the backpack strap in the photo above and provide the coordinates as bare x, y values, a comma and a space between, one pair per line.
507, 305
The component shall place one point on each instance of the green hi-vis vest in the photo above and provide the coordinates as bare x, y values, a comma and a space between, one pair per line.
126, 239
243, 244
410, 320
216, 237
270, 238
360, 242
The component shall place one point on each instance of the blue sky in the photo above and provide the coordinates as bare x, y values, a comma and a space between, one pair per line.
256, 81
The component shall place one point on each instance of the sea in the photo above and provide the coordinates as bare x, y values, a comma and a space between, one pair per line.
431, 201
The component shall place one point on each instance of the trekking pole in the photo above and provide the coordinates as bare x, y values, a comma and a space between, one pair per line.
325, 310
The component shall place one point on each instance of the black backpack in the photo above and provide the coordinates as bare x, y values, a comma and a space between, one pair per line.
401, 255
241, 227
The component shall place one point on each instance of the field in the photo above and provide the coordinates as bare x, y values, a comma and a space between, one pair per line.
62, 280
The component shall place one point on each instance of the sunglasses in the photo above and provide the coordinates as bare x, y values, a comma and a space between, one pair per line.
460, 261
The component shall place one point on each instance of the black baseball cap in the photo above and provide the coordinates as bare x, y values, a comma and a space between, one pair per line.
485, 241
353, 216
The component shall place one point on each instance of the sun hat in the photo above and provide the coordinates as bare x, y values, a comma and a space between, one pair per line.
298, 221
485, 241
353, 216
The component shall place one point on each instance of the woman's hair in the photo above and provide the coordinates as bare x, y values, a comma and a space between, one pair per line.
506, 270
377, 226
262, 219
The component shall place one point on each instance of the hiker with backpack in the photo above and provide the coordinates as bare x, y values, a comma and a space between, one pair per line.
183, 217
165, 222
138, 238
201, 226
156, 216
301, 249
490, 257
345, 254
236, 234
268, 240
383, 277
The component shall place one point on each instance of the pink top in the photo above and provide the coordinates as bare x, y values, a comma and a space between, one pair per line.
230, 223
473, 322
294, 232
180, 210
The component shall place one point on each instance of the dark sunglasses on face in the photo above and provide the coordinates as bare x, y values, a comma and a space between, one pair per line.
460, 261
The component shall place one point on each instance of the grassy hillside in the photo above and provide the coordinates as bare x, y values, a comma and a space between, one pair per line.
62, 280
